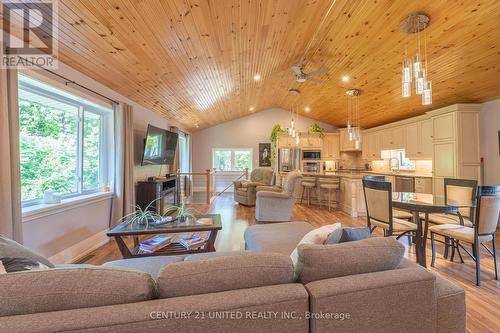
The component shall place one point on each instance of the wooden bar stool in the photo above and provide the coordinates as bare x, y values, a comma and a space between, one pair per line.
331, 186
308, 185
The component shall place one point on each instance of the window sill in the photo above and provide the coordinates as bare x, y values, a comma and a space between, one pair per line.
42, 210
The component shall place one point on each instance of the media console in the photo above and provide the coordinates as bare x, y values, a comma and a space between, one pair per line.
164, 190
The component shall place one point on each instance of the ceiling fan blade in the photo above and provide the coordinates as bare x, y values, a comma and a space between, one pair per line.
297, 70
319, 71
312, 79
284, 78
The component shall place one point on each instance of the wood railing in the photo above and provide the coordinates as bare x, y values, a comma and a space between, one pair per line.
210, 176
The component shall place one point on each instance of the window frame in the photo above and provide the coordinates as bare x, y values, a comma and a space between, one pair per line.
105, 134
232, 150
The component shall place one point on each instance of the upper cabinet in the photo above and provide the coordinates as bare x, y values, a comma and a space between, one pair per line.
310, 140
393, 138
331, 146
418, 139
285, 141
345, 143
371, 146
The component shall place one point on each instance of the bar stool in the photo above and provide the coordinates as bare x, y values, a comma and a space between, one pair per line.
308, 184
330, 185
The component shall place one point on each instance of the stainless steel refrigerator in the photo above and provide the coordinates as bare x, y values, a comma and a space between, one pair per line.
288, 159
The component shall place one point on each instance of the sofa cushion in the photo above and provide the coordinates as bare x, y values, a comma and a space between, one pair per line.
276, 237
209, 255
63, 289
151, 265
224, 273
11, 265
316, 236
10, 248
358, 257
354, 234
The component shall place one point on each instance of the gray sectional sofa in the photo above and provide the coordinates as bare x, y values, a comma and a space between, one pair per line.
247, 291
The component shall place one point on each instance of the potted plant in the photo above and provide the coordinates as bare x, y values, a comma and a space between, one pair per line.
182, 213
142, 216
275, 132
315, 128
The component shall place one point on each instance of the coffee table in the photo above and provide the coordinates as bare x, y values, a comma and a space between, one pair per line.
135, 230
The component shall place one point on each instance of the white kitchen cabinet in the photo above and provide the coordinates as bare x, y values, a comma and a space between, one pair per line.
393, 138
310, 140
418, 143
426, 139
412, 140
371, 146
331, 147
286, 141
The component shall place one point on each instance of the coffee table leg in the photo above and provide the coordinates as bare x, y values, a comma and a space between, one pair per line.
211, 241
123, 247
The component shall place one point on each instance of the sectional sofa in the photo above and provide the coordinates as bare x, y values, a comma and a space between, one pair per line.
351, 287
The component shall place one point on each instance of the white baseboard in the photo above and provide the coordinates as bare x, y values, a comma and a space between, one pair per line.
80, 249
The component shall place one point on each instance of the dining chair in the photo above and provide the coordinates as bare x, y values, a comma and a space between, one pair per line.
397, 213
487, 214
460, 192
379, 212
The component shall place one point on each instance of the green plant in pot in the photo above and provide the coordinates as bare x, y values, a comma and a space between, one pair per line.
182, 213
142, 216
275, 132
315, 128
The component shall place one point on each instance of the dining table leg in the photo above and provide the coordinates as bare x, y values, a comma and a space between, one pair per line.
418, 238
425, 229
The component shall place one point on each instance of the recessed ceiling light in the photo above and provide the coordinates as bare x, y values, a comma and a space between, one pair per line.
251, 108
307, 109
256, 77
197, 125
345, 78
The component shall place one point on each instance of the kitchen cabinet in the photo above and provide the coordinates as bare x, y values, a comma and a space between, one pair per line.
286, 141
418, 143
371, 146
352, 199
423, 185
310, 140
393, 138
444, 127
345, 143
331, 147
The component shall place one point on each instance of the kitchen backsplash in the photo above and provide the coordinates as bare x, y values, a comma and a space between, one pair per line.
421, 166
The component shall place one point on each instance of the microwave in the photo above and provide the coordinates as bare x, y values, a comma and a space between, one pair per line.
311, 154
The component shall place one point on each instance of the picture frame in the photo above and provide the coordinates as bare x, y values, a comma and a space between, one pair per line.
264, 154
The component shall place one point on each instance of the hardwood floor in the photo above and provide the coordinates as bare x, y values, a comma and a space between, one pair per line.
483, 303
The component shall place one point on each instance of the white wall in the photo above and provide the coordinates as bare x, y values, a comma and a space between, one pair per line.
52, 234
490, 151
245, 132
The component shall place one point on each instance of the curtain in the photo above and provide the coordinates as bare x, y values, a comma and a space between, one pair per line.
124, 198
10, 184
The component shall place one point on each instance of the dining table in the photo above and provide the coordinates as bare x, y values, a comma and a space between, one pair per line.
424, 203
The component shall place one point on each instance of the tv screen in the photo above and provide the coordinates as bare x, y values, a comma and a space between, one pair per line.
159, 146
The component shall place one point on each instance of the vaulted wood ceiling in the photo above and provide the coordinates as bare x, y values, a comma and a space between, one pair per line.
194, 60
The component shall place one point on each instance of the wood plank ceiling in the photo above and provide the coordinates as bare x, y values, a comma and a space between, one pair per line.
194, 60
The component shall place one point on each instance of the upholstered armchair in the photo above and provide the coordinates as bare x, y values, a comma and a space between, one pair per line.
244, 190
275, 203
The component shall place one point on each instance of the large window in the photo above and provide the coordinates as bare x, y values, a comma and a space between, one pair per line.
225, 159
64, 141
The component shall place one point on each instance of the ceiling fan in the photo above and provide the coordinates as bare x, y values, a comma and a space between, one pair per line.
301, 77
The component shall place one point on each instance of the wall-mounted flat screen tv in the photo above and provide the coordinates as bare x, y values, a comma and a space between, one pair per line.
159, 146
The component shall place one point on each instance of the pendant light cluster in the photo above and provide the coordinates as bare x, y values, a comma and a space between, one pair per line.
353, 127
292, 130
415, 70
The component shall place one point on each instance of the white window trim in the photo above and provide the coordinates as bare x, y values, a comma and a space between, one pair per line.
43, 210
105, 171
232, 150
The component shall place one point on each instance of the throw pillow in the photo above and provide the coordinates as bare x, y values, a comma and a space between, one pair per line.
2, 269
354, 234
21, 264
316, 236
334, 236
10, 248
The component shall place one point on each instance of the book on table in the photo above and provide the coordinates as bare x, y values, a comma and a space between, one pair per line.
193, 240
155, 243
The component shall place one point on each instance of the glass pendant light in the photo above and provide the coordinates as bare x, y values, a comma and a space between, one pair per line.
406, 89
427, 93
420, 83
417, 66
407, 70
297, 140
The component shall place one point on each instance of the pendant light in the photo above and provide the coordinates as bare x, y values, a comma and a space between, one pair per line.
353, 128
414, 24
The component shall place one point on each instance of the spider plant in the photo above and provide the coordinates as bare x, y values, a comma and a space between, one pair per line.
181, 212
141, 216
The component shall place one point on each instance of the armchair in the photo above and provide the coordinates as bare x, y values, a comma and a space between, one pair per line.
244, 190
274, 204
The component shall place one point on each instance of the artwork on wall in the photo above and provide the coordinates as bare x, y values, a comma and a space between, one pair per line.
264, 154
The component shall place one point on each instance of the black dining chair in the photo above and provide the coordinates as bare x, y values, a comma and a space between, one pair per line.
397, 213
378, 199
487, 214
